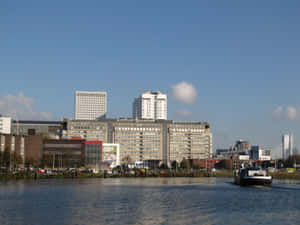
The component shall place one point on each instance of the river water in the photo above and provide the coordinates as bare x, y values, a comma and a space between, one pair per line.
147, 201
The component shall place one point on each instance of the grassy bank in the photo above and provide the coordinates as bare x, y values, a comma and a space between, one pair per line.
286, 175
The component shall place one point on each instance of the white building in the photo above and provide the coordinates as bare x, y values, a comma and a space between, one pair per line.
150, 105
90, 105
258, 153
287, 145
5, 125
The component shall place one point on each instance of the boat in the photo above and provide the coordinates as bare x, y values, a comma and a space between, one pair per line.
252, 176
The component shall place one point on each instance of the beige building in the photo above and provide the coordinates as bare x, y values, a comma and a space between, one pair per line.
139, 140
189, 140
92, 130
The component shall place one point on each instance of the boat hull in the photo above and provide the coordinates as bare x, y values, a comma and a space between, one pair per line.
244, 181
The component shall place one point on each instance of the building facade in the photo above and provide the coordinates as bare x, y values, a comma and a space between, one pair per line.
150, 105
91, 130
141, 140
90, 105
189, 140
50, 129
20, 151
257, 153
287, 145
63, 153
93, 154
5, 125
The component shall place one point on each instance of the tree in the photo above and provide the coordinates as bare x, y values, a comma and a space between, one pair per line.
6, 158
174, 164
185, 164
126, 161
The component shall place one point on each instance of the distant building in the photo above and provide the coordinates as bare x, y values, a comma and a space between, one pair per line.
150, 105
241, 147
49, 129
90, 105
5, 125
287, 145
221, 153
257, 153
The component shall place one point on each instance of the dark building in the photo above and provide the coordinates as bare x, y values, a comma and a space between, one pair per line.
20, 150
50, 129
33, 151
63, 153
93, 154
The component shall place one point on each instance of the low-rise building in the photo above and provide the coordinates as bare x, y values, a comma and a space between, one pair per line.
20, 150
63, 153
48, 129
257, 153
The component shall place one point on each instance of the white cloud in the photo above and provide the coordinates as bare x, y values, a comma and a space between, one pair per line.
184, 92
183, 113
278, 112
21, 107
289, 113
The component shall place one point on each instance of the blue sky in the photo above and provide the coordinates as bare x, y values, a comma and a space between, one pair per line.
242, 57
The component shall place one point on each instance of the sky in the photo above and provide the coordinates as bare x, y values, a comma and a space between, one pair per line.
234, 64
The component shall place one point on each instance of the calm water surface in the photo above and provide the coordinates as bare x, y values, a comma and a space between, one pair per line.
147, 201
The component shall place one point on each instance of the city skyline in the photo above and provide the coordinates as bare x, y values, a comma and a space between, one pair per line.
237, 62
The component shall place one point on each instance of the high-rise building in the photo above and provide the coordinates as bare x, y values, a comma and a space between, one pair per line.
90, 105
5, 125
150, 105
287, 145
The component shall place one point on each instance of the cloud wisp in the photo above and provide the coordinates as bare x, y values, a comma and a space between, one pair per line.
288, 113
184, 92
21, 107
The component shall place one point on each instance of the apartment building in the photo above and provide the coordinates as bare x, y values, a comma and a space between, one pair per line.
150, 105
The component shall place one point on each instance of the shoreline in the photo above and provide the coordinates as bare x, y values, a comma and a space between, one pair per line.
149, 174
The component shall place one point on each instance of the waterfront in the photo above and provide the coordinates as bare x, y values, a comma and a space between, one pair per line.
147, 201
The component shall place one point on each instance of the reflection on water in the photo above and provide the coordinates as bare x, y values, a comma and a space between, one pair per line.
147, 201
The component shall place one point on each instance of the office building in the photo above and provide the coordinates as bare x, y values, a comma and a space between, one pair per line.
190, 140
5, 125
93, 154
140, 140
90, 130
63, 153
20, 151
50, 129
150, 105
287, 145
90, 105
257, 153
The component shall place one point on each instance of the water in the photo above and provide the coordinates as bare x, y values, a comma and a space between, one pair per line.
147, 201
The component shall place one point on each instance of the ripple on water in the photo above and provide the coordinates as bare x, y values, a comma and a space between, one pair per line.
147, 201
